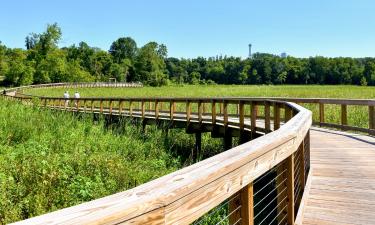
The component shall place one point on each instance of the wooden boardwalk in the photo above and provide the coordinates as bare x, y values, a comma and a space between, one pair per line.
343, 179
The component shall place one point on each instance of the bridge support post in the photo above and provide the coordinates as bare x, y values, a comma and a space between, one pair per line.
198, 146
228, 141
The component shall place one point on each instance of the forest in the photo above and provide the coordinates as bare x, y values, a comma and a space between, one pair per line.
43, 61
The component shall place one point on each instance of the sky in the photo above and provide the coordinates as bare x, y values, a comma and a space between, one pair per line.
192, 28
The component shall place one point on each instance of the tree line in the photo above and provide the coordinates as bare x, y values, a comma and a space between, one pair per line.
44, 62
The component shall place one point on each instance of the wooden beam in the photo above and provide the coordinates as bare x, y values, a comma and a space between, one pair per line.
371, 117
213, 112
344, 116
290, 188
267, 117
276, 116
247, 205
321, 113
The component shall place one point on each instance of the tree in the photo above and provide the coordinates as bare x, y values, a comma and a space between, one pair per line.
150, 66
123, 48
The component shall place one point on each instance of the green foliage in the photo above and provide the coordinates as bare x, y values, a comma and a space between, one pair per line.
149, 64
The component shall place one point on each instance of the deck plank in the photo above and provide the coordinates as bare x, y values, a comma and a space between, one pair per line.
343, 179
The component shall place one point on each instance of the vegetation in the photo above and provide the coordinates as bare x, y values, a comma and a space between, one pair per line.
357, 115
51, 160
44, 62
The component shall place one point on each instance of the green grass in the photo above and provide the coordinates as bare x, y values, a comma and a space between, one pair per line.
338, 91
51, 160
357, 115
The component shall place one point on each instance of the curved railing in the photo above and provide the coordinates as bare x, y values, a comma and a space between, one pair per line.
262, 180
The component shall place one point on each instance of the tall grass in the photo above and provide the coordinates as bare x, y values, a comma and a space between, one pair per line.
51, 160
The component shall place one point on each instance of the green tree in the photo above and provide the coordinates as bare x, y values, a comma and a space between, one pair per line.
123, 48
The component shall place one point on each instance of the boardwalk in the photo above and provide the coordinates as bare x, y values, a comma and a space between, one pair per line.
340, 187
343, 179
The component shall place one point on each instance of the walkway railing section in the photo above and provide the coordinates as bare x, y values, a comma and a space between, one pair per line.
260, 181
78, 85
362, 105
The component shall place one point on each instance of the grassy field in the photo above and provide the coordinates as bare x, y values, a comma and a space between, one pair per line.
304, 91
51, 160
357, 115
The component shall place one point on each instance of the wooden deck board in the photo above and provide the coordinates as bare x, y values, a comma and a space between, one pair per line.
343, 179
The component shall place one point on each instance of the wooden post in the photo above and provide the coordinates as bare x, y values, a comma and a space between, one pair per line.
234, 209
241, 111
344, 117
203, 108
198, 146
288, 113
276, 116
321, 114
242, 206
120, 106
302, 166
77, 104
200, 111
143, 108
253, 119
213, 112
101, 106
156, 109
247, 205
225, 112
131, 108
110, 107
188, 111
171, 109
84, 105
371, 117
92, 105
290, 188
267, 117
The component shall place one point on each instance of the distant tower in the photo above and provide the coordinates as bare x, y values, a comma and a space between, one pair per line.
250, 51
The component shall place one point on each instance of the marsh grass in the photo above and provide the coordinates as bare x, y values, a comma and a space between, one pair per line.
51, 160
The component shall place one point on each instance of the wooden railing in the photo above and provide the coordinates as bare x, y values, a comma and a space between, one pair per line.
261, 180
343, 111
76, 85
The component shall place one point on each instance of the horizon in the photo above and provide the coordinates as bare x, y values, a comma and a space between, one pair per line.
208, 29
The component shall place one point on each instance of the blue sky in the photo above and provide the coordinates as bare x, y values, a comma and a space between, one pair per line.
194, 28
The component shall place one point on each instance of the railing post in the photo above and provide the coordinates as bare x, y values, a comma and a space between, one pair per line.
267, 117
371, 118
188, 111
321, 114
171, 109
110, 107
344, 116
288, 113
101, 106
290, 188
241, 207
225, 112
131, 108
120, 106
276, 116
156, 109
143, 108
213, 112
77, 105
200, 111
253, 119
84, 105
241, 112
